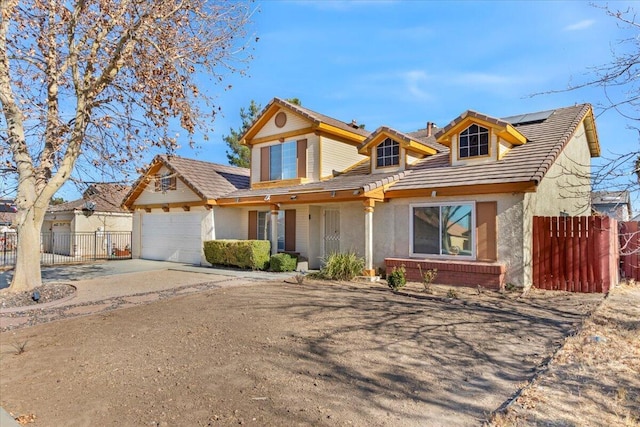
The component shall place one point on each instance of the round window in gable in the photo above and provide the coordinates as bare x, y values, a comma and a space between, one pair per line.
281, 119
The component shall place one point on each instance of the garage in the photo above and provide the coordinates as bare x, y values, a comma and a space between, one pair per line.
172, 236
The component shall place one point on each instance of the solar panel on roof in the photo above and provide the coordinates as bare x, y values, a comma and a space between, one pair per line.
521, 119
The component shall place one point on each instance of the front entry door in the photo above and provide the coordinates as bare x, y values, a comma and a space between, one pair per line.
331, 231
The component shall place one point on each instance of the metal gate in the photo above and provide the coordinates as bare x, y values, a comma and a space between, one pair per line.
331, 231
65, 248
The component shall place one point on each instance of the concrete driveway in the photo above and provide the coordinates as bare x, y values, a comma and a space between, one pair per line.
74, 272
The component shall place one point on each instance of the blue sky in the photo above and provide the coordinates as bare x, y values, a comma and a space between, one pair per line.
403, 63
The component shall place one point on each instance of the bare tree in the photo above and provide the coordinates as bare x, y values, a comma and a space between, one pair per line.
103, 81
620, 83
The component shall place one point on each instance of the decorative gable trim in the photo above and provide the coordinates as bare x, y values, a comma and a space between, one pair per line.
501, 128
405, 141
318, 123
150, 177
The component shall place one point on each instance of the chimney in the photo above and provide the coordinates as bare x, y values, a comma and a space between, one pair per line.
429, 129
354, 124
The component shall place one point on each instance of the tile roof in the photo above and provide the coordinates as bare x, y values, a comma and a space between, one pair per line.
471, 113
429, 141
208, 180
397, 135
524, 163
357, 178
610, 197
107, 197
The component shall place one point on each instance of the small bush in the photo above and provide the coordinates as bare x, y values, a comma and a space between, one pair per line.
20, 346
283, 262
397, 278
253, 254
342, 266
427, 278
451, 293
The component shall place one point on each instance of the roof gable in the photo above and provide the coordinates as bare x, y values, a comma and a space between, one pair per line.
502, 128
318, 122
523, 165
406, 141
208, 180
106, 197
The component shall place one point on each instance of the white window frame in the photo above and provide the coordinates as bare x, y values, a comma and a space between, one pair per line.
291, 145
281, 228
382, 147
468, 148
473, 256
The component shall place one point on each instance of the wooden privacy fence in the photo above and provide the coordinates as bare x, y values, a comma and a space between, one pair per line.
575, 254
630, 249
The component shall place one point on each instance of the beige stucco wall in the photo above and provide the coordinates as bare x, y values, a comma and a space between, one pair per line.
565, 189
182, 193
79, 223
567, 186
391, 224
230, 223
136, 234
103, 222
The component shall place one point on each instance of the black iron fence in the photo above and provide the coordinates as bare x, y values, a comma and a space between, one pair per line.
64, 248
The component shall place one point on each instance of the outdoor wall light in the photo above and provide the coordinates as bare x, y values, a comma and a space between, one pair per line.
333, 194
267, 197
433, 193
294, 197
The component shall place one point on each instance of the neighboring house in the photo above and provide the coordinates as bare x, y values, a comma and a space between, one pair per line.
7, 214
615, 204
461, 197
175, 209
99, 212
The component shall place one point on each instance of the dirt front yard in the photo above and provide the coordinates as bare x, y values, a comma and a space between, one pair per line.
286, 354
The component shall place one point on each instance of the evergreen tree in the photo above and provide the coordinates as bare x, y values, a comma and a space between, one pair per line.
239, 155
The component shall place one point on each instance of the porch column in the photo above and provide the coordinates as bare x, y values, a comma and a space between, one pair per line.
368, 238
274, 229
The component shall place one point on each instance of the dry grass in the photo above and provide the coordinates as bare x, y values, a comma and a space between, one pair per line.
594, 380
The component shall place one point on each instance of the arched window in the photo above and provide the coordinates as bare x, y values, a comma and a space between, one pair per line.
474, 141
388, 153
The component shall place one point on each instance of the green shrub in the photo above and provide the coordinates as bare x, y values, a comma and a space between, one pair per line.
253, 254
342, 266
397, 278
283, 262
427, 278
451, 293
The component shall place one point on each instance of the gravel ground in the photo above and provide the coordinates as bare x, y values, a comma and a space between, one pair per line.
47, 293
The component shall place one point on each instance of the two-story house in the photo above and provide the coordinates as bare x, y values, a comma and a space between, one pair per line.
460, 198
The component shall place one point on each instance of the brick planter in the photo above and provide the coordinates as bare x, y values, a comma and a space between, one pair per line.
458, 273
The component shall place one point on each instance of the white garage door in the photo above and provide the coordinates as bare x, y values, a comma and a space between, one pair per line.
172, 236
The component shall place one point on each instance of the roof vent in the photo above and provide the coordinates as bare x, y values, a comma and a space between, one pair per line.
88, 208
